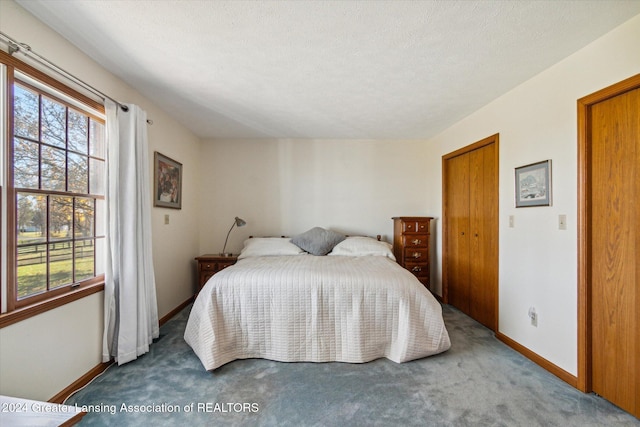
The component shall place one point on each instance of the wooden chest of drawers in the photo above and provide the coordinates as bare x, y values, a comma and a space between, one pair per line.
208, 265
411, 237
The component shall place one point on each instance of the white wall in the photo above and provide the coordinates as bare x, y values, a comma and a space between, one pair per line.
285, 187
538, 121
41, 356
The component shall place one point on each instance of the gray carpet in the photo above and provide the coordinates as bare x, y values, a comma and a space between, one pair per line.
478, 382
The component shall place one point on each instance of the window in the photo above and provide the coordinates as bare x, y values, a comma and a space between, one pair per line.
55, 202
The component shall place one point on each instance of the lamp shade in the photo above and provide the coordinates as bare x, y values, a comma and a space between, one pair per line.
239, 222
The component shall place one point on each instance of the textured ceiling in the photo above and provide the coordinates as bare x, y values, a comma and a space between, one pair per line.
327, 69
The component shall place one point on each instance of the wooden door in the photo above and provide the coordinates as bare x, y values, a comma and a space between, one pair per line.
457, 265
483, 275
470, 228
615, 249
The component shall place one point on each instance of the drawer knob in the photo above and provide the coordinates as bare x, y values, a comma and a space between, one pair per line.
208, 265
416, 241
416, 269
417, 255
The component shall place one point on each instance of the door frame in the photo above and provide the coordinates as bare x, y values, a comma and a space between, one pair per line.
493, 139
584, 218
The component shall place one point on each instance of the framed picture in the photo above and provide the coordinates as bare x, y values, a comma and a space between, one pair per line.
533, 185
167, 184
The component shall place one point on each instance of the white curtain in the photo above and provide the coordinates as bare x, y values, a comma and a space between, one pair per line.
130, 306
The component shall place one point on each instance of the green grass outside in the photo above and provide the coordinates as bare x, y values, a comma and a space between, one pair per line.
32, 268
26, 237
32, 278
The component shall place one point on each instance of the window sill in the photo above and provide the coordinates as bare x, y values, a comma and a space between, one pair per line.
24, 313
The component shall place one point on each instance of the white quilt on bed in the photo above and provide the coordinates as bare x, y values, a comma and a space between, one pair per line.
315, 309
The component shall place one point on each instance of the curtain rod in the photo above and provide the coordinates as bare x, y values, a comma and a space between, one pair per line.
15, 46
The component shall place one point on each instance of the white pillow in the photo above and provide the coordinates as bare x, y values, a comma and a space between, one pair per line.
363, 246
269, 246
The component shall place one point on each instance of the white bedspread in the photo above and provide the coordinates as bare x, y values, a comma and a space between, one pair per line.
315, 309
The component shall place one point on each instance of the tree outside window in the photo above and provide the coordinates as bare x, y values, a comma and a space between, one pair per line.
58, 177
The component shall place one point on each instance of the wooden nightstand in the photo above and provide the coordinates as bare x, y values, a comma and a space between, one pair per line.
209, 264
411, 238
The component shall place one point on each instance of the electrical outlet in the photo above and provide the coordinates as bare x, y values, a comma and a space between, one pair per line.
512, 221
533, 316
534, 319
166, 219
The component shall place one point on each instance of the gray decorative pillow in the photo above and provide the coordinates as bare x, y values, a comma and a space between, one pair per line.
318, 241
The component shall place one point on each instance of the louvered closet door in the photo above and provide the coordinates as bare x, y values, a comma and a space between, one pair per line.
615, 249
457, 189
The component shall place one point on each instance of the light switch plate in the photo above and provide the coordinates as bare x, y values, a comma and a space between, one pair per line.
562, 222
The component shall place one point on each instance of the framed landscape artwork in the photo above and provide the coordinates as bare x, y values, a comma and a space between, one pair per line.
533, 184
167, 182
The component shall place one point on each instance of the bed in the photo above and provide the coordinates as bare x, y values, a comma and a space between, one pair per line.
280, 302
